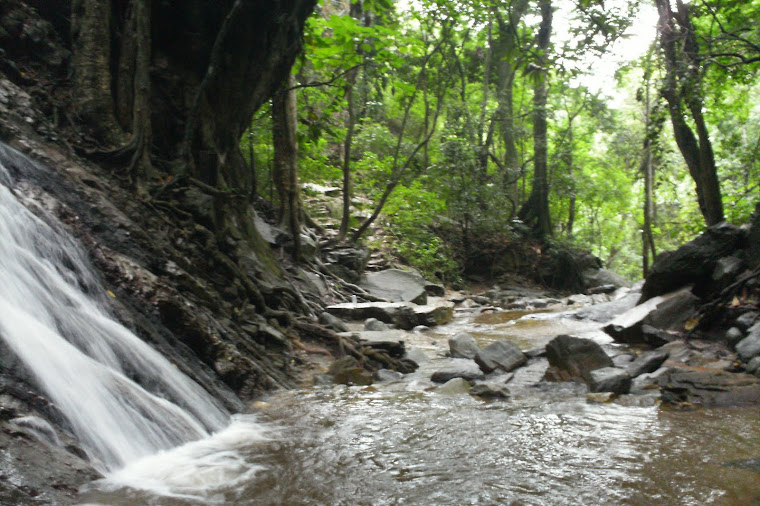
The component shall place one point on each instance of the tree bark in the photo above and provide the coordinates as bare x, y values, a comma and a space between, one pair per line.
285, 171
682, 90
535, 211
506, 48
90, 61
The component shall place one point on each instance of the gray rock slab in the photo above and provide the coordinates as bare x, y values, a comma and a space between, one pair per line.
386, 375
746, 320
454, 386
491, 389
375, 325
646, 362
395, 285
463, 345
666, 312
575, 358
459, 368
607, 311
610, 379
749, 347
711, 388
503, 355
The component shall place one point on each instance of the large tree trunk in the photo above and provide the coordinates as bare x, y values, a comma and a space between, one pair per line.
285, 170
535, 211
91, 64
505, 49
682, 90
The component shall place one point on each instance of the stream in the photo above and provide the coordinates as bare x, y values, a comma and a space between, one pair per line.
412, 442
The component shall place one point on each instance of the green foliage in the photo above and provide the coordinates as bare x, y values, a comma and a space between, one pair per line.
411, 212
402, 67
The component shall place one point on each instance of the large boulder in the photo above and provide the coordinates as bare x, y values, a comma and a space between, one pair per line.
491, 389
573, 358
463, 345
395, 285
646, 363
593, 278
610, 379
606, 311
347, 371
402, 314
459, 368
694, 262
504, 355
668, 312
749, 347
711, 388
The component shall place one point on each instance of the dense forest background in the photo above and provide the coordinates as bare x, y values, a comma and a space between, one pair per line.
461, 127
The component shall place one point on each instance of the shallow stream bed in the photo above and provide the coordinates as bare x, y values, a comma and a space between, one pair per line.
409, 443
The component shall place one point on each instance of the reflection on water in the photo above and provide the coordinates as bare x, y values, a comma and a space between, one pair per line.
353, 446
402, 443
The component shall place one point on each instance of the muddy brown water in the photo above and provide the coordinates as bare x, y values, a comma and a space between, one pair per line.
405, 443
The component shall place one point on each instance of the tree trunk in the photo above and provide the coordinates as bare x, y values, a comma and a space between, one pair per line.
535, 211
682, 87
91, 65
142, 134
285, 173
506, 48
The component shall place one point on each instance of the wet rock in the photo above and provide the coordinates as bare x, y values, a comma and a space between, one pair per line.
395, 285
460, 368
375, 325
603, 289
753, 367
431, 316
650, 381
733, 336
504, 355
608, 310
749, 347
417, 355
519, 304
483, 301
610, 379
386, 375
711, 388
678, 351
668, 312
491, 389
463, 345
421, 329
435, 290
726, 271
693, 263
600, 397
603, 277
346, 371
578, 299
574, 358
647, 362
399, 313
624, 359
333, 322
746, 320
656, 337
454, 386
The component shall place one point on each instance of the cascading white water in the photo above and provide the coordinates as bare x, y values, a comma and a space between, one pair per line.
52, 316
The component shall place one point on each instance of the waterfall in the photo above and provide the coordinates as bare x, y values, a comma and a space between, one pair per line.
54, 318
